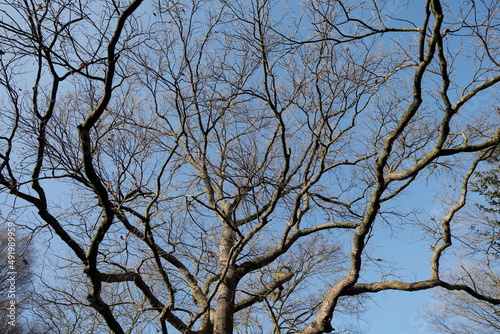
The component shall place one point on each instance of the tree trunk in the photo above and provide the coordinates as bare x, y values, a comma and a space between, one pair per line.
224, 312
225, 308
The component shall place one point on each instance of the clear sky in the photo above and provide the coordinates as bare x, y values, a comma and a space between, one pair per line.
395, 312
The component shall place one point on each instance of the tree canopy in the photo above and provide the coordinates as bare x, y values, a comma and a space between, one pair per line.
218, 167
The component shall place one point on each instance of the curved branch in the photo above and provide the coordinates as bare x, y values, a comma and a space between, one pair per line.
416, 286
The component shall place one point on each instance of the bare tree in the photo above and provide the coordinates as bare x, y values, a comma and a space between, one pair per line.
213, 167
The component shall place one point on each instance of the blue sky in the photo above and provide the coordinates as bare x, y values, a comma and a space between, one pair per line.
395, 312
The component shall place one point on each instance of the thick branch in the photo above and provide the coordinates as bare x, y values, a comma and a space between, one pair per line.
262, 294
416, 286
